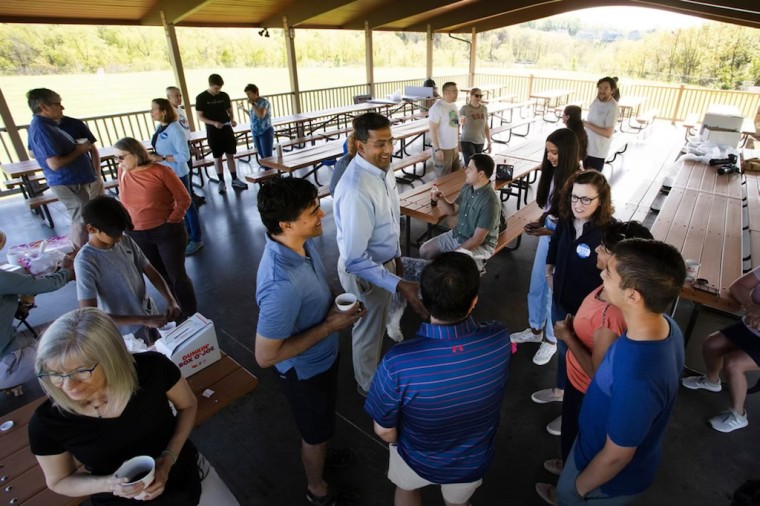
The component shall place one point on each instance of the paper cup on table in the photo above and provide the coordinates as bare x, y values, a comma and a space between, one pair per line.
692, 269
138, 470
14, 257
346, 301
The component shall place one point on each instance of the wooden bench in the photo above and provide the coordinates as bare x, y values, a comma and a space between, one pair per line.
411, 161
262, 176
39, 204
509, 127
689, 124
618, 146
201, 165
516, 226
647, 118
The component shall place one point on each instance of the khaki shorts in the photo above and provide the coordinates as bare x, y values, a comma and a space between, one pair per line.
405, 478
75, 196
449, 164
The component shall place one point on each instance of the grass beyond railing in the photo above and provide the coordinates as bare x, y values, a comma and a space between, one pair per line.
673, 102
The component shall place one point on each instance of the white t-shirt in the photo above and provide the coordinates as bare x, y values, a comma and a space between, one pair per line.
447, 116
182, 119
603, 115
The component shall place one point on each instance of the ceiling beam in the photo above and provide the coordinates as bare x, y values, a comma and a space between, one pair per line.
174, 11
474, 11
394, 11
301, 11
522, 15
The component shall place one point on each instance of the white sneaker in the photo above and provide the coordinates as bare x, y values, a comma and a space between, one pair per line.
548, 395
700, 383
555, 426
729, 421
526, 336
545, 352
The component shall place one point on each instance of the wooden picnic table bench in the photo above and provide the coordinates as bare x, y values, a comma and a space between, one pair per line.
23, 482
547, 100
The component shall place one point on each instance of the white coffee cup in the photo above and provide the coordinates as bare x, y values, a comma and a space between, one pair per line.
346, 301
135, 467
14, 257
692, 268
82, 140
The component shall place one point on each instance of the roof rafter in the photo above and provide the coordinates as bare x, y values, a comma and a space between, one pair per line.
174, 11
300, 12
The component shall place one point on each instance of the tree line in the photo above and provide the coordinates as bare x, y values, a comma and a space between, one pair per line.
713, 54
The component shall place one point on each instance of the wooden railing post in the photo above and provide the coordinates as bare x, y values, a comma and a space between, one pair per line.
674, 116
530, 85
10, 127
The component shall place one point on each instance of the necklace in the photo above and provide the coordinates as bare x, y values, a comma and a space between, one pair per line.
96, 407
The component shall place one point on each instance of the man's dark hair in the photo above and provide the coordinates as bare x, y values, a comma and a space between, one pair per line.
483, 162
251, 87
449, 284
284, 199
215, 80
369, 121
653, 268
618, 231
608, 79
41, 96
107, 215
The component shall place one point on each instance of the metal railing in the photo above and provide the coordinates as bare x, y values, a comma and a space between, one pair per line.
674, 102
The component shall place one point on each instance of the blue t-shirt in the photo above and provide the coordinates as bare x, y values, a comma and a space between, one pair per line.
48, 138
631, 399
293, 295
261, 125
443, 393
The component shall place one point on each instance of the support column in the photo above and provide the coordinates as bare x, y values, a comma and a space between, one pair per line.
179, 72
290, 51
473, 58
369, 60
429, 57
10, 127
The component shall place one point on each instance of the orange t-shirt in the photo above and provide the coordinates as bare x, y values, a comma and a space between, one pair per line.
592, 315
153, 196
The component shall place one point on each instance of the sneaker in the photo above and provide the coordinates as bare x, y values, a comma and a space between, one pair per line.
193, 247
331, 499
222, 188
526, 336
239, 185
554, 466
700, 383
729, 421
555, 426
548, 395
547, 492
545, 352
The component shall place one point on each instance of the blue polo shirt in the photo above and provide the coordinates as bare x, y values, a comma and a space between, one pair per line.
631, 399
48, 138
443, 393
293, 295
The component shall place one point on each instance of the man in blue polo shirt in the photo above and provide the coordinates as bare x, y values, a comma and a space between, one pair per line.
628, 405
436, 399
64, 148
298, 326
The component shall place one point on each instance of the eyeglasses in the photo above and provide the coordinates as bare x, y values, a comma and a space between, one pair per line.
381, 144
478, 96
583, 200
122, 157
80, 375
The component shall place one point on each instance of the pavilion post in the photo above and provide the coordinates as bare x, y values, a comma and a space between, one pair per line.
473, 58
290, 51
429, 56
369, 58
10, 127
179, 72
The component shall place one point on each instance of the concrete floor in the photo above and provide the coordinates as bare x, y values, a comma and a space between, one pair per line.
254, 443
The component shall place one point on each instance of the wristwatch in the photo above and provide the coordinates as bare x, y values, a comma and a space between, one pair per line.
163, 158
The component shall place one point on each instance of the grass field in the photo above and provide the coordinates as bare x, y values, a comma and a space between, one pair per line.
92, 95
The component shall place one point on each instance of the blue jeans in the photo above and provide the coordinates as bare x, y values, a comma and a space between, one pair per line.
192, 219
264, 142
567, 494
539, 294
558, 314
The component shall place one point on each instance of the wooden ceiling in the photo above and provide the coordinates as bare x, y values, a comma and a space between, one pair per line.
389, 15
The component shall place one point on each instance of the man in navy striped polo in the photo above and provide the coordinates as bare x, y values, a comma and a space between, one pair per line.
436, 398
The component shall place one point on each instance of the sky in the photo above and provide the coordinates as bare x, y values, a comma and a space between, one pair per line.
634, 18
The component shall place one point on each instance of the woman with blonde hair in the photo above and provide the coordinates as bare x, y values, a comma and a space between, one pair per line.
106, 406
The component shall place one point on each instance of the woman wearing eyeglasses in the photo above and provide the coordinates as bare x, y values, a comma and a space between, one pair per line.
157, 200
106, 406
475, 132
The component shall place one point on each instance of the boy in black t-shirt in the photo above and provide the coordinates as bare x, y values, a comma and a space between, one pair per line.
215, 110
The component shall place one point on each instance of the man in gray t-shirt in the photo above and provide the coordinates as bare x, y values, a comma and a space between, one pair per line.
479, 210
110, 270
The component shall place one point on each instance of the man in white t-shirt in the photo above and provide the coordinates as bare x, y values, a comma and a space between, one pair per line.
444, 131
600, 124
174, 96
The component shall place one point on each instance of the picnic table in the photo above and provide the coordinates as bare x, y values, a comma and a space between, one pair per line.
702, 218
415, 203
22, 477
548, 100
486, 89
313, 156
626, 105
532, 151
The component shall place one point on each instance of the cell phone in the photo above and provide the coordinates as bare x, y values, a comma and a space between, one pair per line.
504, 171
